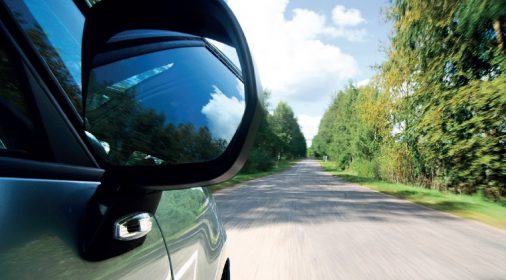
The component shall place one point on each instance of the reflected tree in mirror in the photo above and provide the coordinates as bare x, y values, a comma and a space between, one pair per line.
175, 106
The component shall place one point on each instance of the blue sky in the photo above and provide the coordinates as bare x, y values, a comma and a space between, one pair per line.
368, 52
307, 50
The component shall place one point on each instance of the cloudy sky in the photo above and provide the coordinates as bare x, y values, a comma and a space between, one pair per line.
307, 50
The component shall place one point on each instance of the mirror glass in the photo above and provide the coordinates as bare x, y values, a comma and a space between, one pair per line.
174, 106
228, 51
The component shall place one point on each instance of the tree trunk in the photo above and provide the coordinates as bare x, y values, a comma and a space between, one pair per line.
499, 35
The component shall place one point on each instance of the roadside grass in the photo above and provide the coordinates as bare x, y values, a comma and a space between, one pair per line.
474, 207
247, 176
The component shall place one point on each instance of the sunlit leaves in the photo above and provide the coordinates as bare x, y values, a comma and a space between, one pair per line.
437, 116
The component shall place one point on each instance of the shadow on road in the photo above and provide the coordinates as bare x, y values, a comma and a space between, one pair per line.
306, 224
307, 195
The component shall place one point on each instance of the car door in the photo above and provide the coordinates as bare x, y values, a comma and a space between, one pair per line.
193, 233
47, 176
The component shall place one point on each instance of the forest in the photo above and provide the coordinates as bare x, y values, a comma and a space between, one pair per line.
279, 137
435, 113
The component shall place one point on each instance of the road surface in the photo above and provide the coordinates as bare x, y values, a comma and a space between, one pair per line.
305, 224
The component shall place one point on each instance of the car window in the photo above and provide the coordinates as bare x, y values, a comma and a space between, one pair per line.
20, 132
55, 28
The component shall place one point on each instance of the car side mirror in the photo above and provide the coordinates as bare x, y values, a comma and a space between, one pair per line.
164, 108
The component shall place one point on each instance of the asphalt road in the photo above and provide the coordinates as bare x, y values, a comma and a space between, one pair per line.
306, 224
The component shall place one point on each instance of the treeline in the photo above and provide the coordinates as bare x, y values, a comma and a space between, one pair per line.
435, 115
137, 135
279, 137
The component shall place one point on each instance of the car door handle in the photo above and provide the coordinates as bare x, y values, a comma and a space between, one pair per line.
133, 226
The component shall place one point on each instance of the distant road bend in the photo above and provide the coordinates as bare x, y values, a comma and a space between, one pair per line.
305, 224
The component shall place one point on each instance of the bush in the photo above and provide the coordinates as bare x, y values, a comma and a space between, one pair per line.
259, 160
395, 163
366, 168
492, 193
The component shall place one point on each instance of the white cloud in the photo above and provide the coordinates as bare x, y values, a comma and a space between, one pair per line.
346, 17
353, 35
223, 114
294, 61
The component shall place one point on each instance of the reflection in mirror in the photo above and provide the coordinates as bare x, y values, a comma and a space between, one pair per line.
229, 51
174, 106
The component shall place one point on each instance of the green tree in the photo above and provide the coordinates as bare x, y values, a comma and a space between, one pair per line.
292, 143
338, 128
354, 128
445, 73
263, 154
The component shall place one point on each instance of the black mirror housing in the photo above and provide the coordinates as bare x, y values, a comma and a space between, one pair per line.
199, 18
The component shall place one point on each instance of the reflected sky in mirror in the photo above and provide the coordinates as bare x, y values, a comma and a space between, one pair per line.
176, 106
229, 51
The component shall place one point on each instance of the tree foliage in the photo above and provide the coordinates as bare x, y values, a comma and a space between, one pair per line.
450, 55
353, 128
279, 136
292, 143
436, 114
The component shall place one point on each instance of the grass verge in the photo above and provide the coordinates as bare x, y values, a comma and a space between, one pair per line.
243, 176
474, 207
